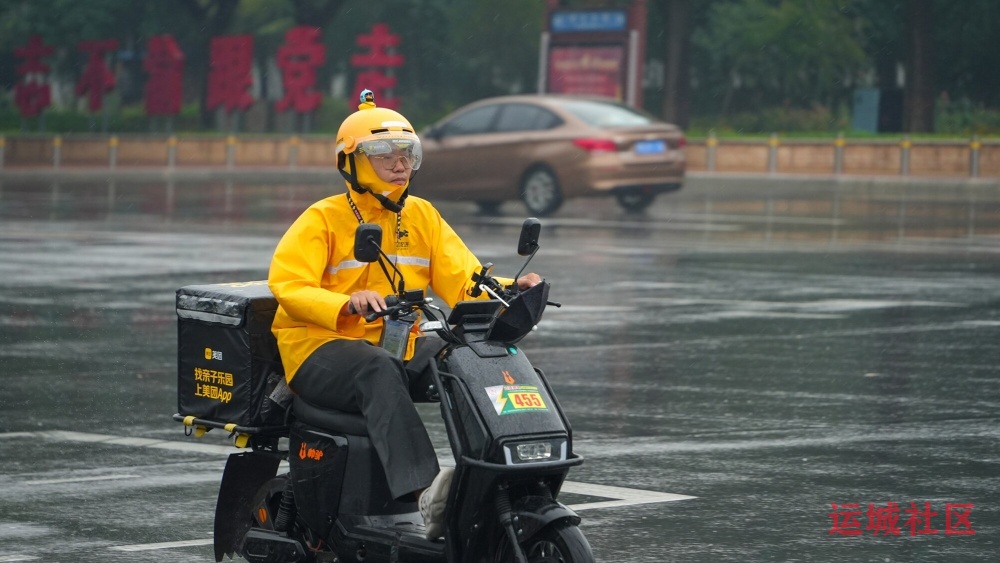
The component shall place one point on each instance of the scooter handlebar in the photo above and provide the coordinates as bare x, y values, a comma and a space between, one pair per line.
392, 305
395, 305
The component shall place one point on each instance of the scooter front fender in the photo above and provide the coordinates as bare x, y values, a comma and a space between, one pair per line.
245, 473
532, 513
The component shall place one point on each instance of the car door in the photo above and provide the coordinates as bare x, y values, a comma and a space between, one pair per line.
455, 153
519, 129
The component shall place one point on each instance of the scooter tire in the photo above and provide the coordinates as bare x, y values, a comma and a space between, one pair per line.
559, 542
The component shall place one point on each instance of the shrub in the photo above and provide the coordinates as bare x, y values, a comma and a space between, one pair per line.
818, 119
965, 118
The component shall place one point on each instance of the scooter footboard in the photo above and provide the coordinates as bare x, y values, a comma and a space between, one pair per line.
534, 513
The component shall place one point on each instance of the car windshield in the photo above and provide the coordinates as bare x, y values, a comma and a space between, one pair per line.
605, 114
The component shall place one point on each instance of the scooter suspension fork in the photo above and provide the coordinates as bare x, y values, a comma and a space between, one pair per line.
502, 501
286, 509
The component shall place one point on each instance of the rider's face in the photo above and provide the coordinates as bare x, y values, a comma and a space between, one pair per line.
399, 174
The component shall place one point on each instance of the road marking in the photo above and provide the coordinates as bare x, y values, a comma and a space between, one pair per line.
620, 496
617, 496
79, 479
667, 224
70, 436
676, 221
12, 558
163, 545
751, 337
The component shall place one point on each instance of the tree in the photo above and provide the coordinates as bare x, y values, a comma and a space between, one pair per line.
215, 18
882, 38
965, 51
918, 105
318, 13
64, 23
758, 53
935, 42
456, 52
720, 56
677, 64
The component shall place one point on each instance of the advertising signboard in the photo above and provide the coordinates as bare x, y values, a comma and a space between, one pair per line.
580, 21
587, 70
597, 52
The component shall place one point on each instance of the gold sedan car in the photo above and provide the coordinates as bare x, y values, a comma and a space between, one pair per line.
543, 149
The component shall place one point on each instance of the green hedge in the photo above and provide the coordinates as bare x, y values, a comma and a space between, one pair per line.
965, 118
953, 119
121, 120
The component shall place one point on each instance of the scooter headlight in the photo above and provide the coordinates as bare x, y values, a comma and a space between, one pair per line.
535, 451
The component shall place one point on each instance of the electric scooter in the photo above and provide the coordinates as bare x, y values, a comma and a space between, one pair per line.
511, 440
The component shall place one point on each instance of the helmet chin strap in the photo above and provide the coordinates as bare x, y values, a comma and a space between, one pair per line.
352, 178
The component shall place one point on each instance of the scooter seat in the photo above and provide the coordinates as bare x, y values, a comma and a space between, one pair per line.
337, 421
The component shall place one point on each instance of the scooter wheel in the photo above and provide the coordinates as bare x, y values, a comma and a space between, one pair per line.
560, 542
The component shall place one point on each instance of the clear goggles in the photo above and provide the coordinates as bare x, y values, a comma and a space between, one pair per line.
388, 152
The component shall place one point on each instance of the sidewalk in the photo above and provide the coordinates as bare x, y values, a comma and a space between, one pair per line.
322, 175
763, 181
186, 174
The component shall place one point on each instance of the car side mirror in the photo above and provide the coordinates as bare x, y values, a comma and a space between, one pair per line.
528, 243
432, 132
367, 242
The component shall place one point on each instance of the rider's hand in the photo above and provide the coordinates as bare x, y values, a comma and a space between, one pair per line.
527, 281
364, 301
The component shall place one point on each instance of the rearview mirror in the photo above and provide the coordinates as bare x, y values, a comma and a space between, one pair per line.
432, 132
367, 242
528, 243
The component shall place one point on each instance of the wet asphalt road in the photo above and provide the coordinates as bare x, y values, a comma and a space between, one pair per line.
769, 350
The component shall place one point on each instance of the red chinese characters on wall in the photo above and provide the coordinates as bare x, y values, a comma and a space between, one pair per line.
32, 94
298, 60
376, 62
230, 72
97, 79
229, 77
165, 65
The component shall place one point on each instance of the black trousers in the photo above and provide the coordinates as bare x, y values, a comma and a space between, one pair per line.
356, 376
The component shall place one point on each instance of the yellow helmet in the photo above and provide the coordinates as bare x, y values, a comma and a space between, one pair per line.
377, 132
384, 138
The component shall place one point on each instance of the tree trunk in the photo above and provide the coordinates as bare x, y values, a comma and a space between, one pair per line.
918, 106
677, 67
319, 13
215, 17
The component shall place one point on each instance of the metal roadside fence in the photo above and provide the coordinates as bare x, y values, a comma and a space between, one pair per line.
772, 155
905, 157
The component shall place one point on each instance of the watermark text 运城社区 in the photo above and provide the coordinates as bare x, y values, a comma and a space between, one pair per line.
851, 520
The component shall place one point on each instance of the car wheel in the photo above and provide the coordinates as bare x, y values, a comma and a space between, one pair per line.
489, 207
540, 191
635, 202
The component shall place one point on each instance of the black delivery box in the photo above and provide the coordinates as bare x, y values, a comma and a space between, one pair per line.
227, 359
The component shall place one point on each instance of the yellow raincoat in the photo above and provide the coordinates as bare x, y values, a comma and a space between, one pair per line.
313, 272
